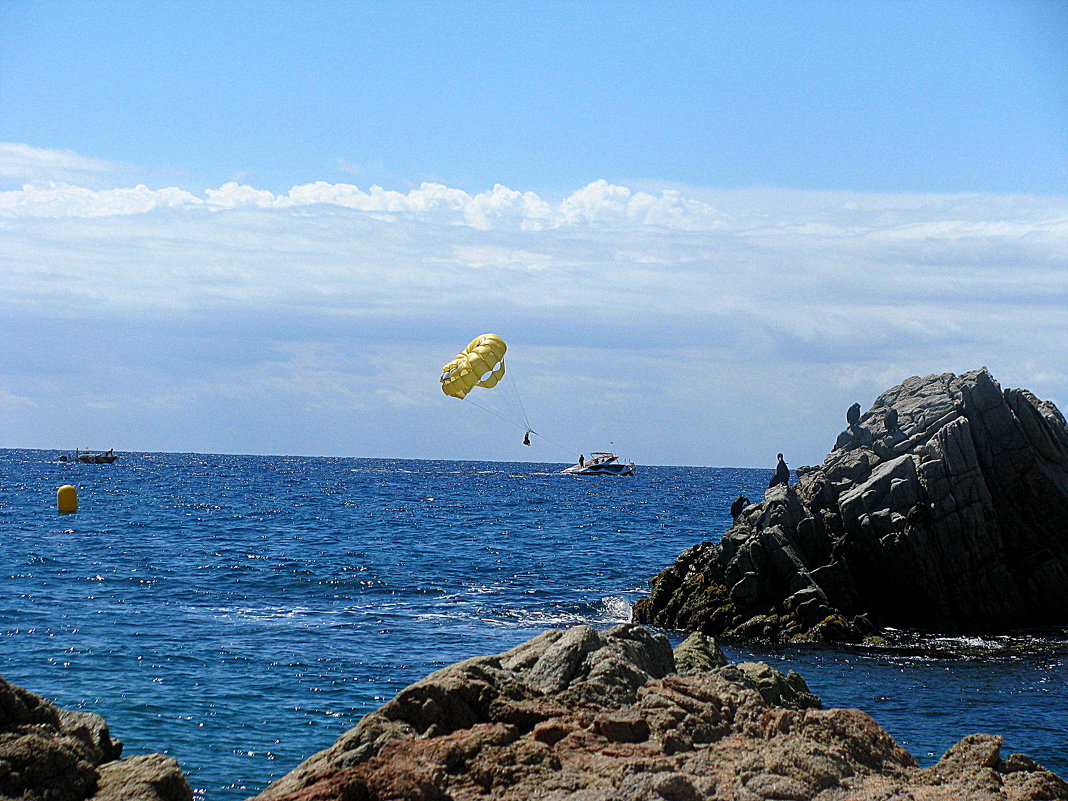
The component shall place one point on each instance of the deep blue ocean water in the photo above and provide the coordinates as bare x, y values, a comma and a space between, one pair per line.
242, 612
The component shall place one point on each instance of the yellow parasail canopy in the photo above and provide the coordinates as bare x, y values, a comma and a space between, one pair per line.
480, 364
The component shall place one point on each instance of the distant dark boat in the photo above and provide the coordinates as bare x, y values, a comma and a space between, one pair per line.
95, 458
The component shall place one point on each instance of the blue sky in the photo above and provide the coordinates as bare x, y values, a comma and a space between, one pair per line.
704, 229
949, 96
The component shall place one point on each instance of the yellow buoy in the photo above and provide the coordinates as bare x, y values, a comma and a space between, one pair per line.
67, 498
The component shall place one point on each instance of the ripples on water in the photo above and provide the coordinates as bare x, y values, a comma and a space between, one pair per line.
241, 612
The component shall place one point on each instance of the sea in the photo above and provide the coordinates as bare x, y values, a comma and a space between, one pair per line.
242, 612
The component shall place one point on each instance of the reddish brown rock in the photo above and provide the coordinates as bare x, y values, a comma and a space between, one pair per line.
585, 716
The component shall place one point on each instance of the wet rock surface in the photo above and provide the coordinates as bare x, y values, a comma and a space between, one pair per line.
591, 716
943, 507
53, 754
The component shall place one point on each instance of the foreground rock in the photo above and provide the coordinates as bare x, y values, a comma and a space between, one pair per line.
606, 717
53, 754
944, 507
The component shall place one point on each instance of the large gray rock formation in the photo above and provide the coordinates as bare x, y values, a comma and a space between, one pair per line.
945, 507
585, 716
53, 754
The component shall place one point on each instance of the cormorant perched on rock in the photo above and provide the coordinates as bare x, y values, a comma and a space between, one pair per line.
919, 514
819, 497
890, 420
739, 504
853, 415
782, 473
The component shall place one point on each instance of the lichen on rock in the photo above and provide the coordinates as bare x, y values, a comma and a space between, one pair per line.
53, 754
613, 716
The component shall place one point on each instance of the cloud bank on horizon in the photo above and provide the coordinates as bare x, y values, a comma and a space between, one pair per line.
690, 325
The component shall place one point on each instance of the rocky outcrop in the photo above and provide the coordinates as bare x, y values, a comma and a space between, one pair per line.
589, 716
53, 754
944, 507
698, 654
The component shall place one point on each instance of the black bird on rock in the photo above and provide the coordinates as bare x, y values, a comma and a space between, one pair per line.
739, 504
853, 415
890, 420
782, 473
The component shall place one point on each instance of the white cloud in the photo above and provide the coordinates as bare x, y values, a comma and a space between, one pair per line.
59, 200
599, 204
24, 162
488, 256
329, 298
849, 271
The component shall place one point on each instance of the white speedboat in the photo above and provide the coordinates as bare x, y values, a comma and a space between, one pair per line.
601, 464
88, 457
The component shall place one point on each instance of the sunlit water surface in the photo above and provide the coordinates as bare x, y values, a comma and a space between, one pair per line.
241, 612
